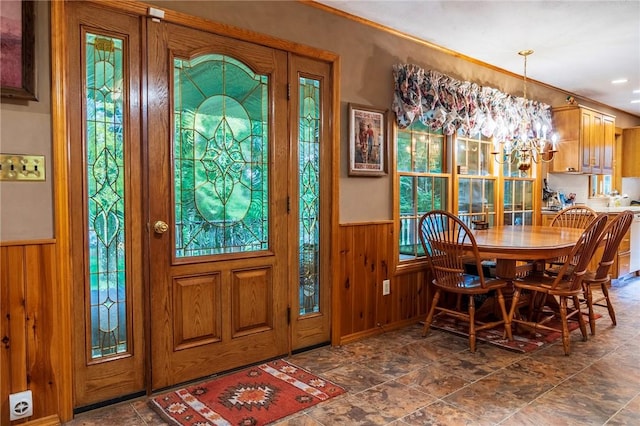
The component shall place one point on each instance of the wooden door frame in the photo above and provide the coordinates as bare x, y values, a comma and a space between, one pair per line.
62, 354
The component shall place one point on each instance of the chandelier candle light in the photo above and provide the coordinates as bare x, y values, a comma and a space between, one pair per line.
531, 142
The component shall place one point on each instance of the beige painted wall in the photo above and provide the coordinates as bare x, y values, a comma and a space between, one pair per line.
367, 56
26, 208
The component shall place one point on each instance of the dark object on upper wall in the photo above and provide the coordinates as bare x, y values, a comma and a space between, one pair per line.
17, 50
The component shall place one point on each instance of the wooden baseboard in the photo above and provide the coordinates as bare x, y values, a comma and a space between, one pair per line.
53, 420
378, 330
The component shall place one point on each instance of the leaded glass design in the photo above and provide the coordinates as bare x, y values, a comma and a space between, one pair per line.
106, 195
309, 195
220, 157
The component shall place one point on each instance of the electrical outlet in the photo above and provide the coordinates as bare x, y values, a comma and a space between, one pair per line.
20, 405
386, 287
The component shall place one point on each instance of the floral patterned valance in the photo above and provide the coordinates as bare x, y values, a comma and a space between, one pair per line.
442, 102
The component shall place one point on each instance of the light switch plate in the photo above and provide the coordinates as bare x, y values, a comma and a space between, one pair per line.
386, 287
22, 167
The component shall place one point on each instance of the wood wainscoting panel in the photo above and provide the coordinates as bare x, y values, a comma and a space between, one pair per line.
365, 260
27, 332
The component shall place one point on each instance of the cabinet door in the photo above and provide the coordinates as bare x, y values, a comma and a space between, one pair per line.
630, 152
586, 136
596, 140
567, 123
608, 144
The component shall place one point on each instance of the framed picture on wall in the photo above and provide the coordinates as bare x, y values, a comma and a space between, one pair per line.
367, 141
17, 53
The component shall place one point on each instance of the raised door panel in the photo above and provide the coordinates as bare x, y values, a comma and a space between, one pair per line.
631, 152
566, 123
624, 264
587, 134
252, 301
546, 219
608, 144
596, 141
197, 307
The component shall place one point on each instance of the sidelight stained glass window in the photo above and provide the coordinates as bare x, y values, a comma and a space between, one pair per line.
220, 157
106, 195
309, 194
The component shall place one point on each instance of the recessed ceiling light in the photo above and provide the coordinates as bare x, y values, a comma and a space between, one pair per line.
636, 91
619, 81
635, 101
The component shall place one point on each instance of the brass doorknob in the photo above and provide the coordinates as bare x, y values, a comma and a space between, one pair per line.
160, 227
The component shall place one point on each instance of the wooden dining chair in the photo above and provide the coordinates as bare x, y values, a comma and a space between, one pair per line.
610, 239
448, 243
566, 285
571, 217
574, 217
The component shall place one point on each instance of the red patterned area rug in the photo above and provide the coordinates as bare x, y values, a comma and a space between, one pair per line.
251, 397
523, 342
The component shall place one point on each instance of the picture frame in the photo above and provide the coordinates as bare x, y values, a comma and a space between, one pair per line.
17, 30
368, 143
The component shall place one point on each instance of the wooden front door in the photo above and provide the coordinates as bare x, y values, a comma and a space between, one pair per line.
217, 196
200, 191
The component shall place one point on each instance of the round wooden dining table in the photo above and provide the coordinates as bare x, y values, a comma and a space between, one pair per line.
512, 243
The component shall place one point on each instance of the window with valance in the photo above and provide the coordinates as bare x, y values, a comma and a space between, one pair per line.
462, 119
442, 102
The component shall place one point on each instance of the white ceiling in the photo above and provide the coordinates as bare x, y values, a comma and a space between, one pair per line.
580, 46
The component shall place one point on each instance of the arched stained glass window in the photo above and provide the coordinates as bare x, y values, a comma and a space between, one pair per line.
220, 157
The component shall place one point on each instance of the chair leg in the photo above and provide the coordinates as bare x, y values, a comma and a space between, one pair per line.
505, 316
432, 309
566, 340
472, 324
588, 295
514, 303
583, 325
605, 292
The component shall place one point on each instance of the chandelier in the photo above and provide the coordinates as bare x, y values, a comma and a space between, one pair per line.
531, 143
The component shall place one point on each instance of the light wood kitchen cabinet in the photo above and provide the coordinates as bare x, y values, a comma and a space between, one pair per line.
621, 265
631, 152
586, 141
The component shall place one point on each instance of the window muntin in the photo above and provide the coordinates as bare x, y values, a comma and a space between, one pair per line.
518, 194
422, 183
476, 182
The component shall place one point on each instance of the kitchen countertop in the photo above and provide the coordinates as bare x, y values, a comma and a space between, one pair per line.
635, 209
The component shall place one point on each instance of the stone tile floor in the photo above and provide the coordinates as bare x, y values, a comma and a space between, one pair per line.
400, 378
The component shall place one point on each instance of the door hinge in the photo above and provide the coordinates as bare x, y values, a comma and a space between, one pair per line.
288, 204
288, 91
288, 315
